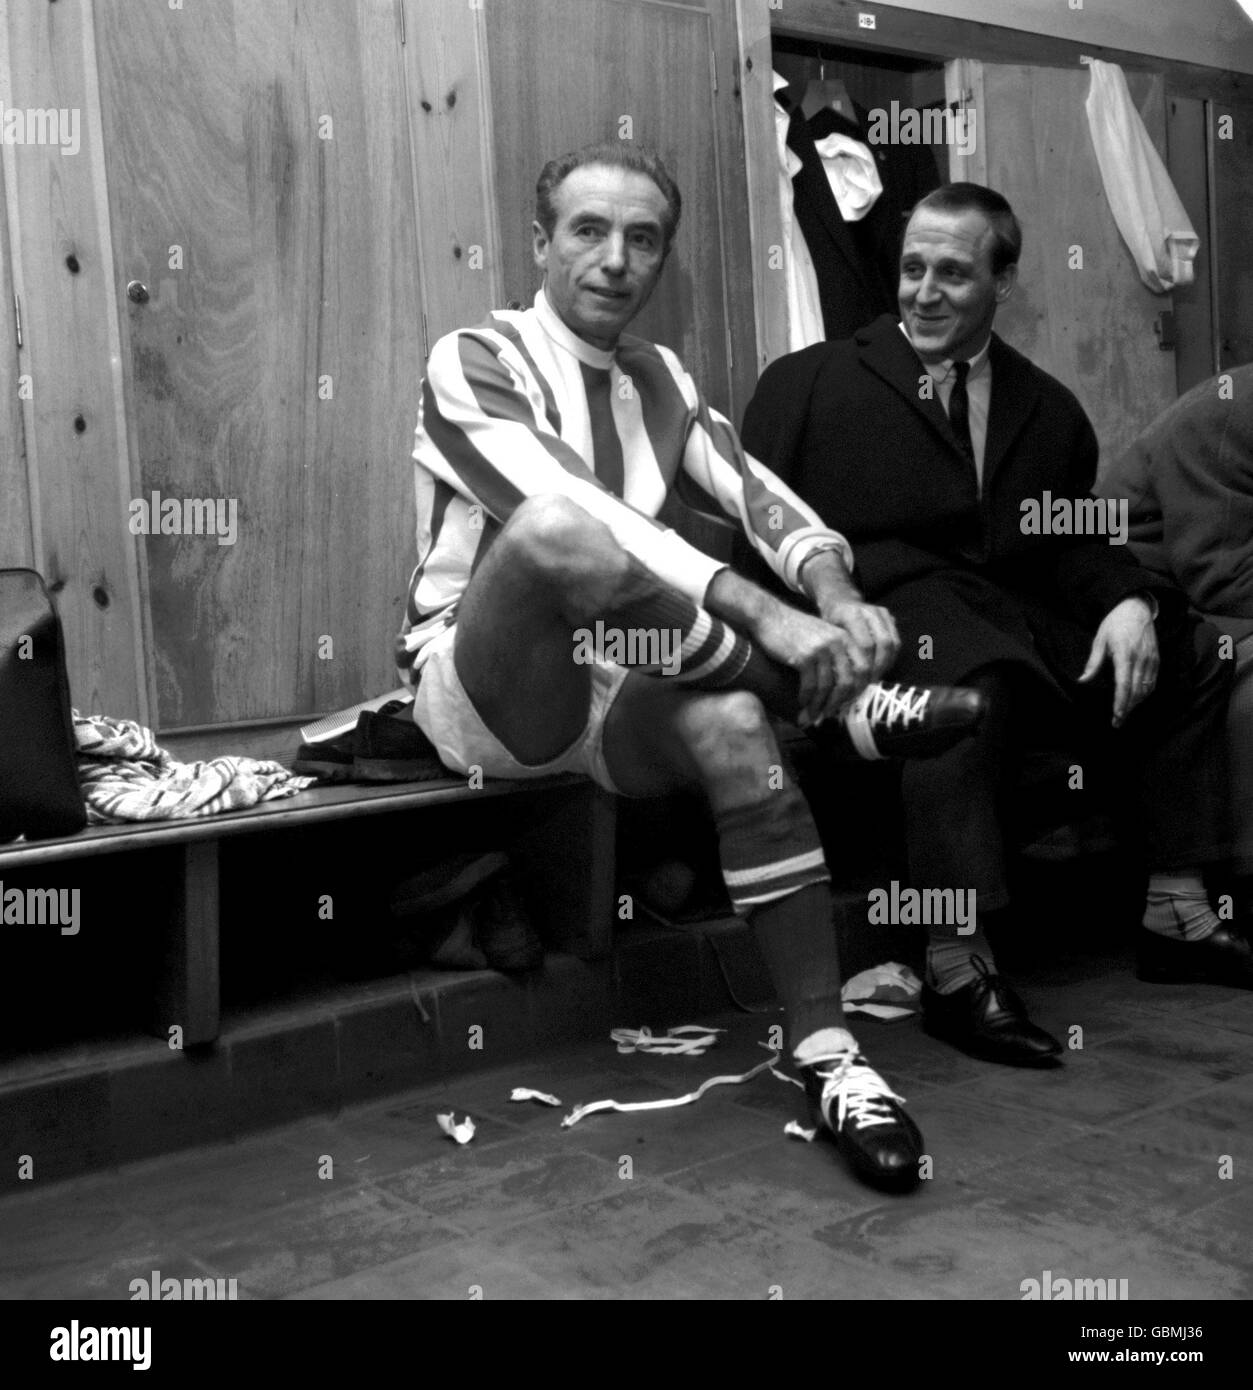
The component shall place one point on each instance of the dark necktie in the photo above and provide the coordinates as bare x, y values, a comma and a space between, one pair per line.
959, 410
606, 446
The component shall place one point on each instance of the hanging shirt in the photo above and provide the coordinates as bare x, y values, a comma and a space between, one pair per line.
520, 406
852, 174
804, 304
1148, 211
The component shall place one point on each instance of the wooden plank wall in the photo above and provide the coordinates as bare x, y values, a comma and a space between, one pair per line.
454, 180
77, 450
671, 105
276, 367
17, 540
1091, 327
301, 195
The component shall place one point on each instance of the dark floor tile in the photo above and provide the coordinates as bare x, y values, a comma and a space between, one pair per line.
1080, 1021
79, 1240
188, 1194
647, 1241
1110, 1185
1214, 1244
406, 1135
1088, 1089
1206, 1125
970, 1245
1189, 999
965, 1135
1234, 1012
134, 1253
907, 1054
1183, 1048
793, 1185
1106, 1168
452, 1271
1163, 1265
652, 1241
506, 1184
327, 1150
315, 1242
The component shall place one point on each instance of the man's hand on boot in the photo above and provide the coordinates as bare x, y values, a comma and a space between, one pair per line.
831, 666
872, 629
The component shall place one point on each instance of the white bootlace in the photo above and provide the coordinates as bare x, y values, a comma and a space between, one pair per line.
858, 1090
881, 707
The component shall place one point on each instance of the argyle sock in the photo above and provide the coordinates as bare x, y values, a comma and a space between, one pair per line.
1178, 907
950, 957
661, 632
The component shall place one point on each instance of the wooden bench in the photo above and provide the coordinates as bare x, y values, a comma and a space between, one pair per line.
566, 845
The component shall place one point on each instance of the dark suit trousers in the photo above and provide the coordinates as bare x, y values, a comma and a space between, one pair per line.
1164, 771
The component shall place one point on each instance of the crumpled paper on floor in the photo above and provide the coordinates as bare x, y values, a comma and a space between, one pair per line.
525, 1093
462, 1132
887, 991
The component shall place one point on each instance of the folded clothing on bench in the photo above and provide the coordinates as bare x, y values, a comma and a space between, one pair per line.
385, 746
126, 777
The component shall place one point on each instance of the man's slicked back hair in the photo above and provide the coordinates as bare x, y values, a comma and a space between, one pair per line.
974, 197
620, 154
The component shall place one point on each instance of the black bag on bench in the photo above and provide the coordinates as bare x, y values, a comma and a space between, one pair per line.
40, 794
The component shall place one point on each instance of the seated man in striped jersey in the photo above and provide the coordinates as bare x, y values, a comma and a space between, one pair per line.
547, 443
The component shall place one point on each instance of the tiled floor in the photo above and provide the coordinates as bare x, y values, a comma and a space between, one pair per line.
1112, 1167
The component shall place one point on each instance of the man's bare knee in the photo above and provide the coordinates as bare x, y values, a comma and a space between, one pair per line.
565, 549
550, 534
730, 741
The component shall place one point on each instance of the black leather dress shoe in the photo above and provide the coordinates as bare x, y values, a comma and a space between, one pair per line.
861, 1113
988, 1020
904, 721
1223, 958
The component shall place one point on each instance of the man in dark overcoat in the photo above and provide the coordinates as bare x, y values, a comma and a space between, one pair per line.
962, 475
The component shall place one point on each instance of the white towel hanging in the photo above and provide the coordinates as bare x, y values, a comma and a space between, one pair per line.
1146, 207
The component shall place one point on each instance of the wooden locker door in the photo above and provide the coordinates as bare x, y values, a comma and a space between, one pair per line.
1092, 328
565, 73
260, 190
1186, 122
1232, 193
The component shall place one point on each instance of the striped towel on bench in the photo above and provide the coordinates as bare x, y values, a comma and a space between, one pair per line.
126, 777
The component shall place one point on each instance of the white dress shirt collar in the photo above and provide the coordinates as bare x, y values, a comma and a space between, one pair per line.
554, 326
943, 369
